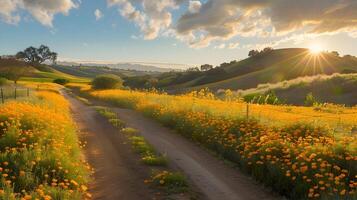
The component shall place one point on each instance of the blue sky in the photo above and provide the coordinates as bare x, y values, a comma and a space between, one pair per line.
169, 31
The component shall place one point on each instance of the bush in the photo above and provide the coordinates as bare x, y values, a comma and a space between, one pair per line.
107, 82
61, 81
3, 81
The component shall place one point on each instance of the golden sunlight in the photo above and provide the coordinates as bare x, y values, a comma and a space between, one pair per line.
315, 49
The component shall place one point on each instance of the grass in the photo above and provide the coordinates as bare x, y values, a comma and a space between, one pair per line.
295, 157
139, 144
172, 182
40, 155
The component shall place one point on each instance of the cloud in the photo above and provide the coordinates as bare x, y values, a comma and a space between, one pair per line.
194, 6
221, 46
98, 14
152, 17
225, 19
8, 11
233, 45
42, 11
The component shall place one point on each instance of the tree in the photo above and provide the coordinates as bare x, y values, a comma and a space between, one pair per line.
335, 53
192, 69
206, 67
267, 49
37, 56
253, 53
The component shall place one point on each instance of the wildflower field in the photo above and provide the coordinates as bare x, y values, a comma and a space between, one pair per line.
40, 155
301, 152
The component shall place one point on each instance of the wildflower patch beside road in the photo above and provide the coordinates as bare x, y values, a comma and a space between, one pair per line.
297, 159
40, 155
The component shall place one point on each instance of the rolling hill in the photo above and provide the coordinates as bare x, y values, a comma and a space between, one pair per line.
336, 88
40, 73
269, 67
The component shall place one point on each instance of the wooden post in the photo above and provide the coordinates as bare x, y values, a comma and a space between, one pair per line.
28, 92
247, 110
15, 92
2, 96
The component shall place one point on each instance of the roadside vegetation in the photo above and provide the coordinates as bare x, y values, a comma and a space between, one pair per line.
40, 155
301, 152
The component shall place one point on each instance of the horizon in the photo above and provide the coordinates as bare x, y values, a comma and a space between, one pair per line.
174, 31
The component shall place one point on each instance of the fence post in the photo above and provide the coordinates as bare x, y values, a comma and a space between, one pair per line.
2, 96
247, 110
15, 92
28, 92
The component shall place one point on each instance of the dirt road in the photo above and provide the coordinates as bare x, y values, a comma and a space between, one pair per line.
215, 179
118, 175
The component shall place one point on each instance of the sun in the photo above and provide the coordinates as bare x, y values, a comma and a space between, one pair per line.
315, 49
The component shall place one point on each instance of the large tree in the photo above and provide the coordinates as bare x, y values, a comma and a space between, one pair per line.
39, 55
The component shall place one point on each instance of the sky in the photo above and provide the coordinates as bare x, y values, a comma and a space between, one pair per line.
188, 32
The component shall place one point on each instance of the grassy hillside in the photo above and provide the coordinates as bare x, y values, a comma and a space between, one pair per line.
337, 88
40, 73
271, 67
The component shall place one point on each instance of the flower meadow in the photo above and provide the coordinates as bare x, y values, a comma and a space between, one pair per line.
40, 155
282, 146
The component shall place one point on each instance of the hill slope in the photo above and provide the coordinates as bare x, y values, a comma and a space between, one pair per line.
336, 88
271, 67
40, 73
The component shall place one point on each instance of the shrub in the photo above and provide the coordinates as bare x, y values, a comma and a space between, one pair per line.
3, 81
61, 81
107, 82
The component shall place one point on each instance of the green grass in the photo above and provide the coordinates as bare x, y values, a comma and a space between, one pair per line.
154, 160
39, 76
172, 182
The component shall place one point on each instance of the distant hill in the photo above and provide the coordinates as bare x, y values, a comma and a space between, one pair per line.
270, 67
126, 66
93, 71
336, 88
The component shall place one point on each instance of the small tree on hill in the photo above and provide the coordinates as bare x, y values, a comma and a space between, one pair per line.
206, 67
37, 56
253, 53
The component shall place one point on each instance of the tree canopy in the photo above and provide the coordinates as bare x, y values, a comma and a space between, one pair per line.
39, 55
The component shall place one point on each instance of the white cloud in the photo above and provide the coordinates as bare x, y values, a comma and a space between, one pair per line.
98, 14
152, 17
194, 6
43, 11
8, 11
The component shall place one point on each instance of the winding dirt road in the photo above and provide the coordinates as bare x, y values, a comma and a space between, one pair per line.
118, 174
214, 179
